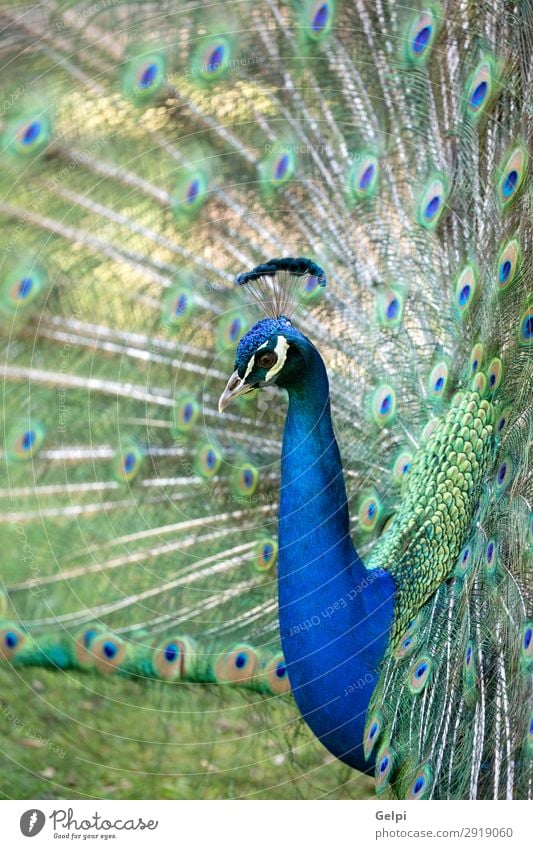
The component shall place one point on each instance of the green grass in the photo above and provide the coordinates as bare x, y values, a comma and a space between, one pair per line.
80, 736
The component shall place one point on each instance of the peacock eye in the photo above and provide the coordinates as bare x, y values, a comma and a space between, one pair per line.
267, 359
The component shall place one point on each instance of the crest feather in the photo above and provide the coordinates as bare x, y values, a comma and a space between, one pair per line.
274, 284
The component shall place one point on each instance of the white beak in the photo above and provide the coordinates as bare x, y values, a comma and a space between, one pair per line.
234, 387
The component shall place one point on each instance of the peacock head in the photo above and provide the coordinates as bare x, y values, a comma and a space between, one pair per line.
272, 352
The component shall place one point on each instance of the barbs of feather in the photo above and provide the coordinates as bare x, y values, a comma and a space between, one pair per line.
275, 284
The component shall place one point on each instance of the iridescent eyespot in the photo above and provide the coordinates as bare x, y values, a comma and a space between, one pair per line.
363, 176
402, 466
12, 640
384, 766
149, 76
173, 657
244, 480
438, 380
476, 358
420, 785
212, 59
230, 328
407, 644
502, 421
469, 668
109, 649
83, 644
491, 557
24, 439
432, 203
504, 475
143, 77
178, 305
185, 414
389, 307
466, 289
265, 554
511, 175
373, 729
525, 325
20, 287
494, 374
190, 193
420, 673
369, 511
127, 462
508, 264
279, 166
237, 665
207, 460
383, 405
526, 642
107, 652
88, 636
23, 288
420, 35
171, 652
276, 675
480, 88
464, 560
29, 135
316, 19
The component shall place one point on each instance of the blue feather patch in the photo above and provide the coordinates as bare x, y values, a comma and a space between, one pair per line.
420, 34
363, 176
432, 203
511, 174
185, 414
24, 439
316, 19
128, 462
385, 762
144, 76
466, 289
212, 59
420, 785
481, 88
508, 264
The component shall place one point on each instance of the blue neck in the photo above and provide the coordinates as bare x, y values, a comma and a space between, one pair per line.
335, 615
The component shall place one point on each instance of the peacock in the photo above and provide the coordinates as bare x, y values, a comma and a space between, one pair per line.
267, 337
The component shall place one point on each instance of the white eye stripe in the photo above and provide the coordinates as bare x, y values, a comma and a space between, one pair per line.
249, 367
282, 346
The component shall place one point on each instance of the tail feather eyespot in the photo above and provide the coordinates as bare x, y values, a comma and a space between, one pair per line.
173, 657
237, 666
12, 640
276, 675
